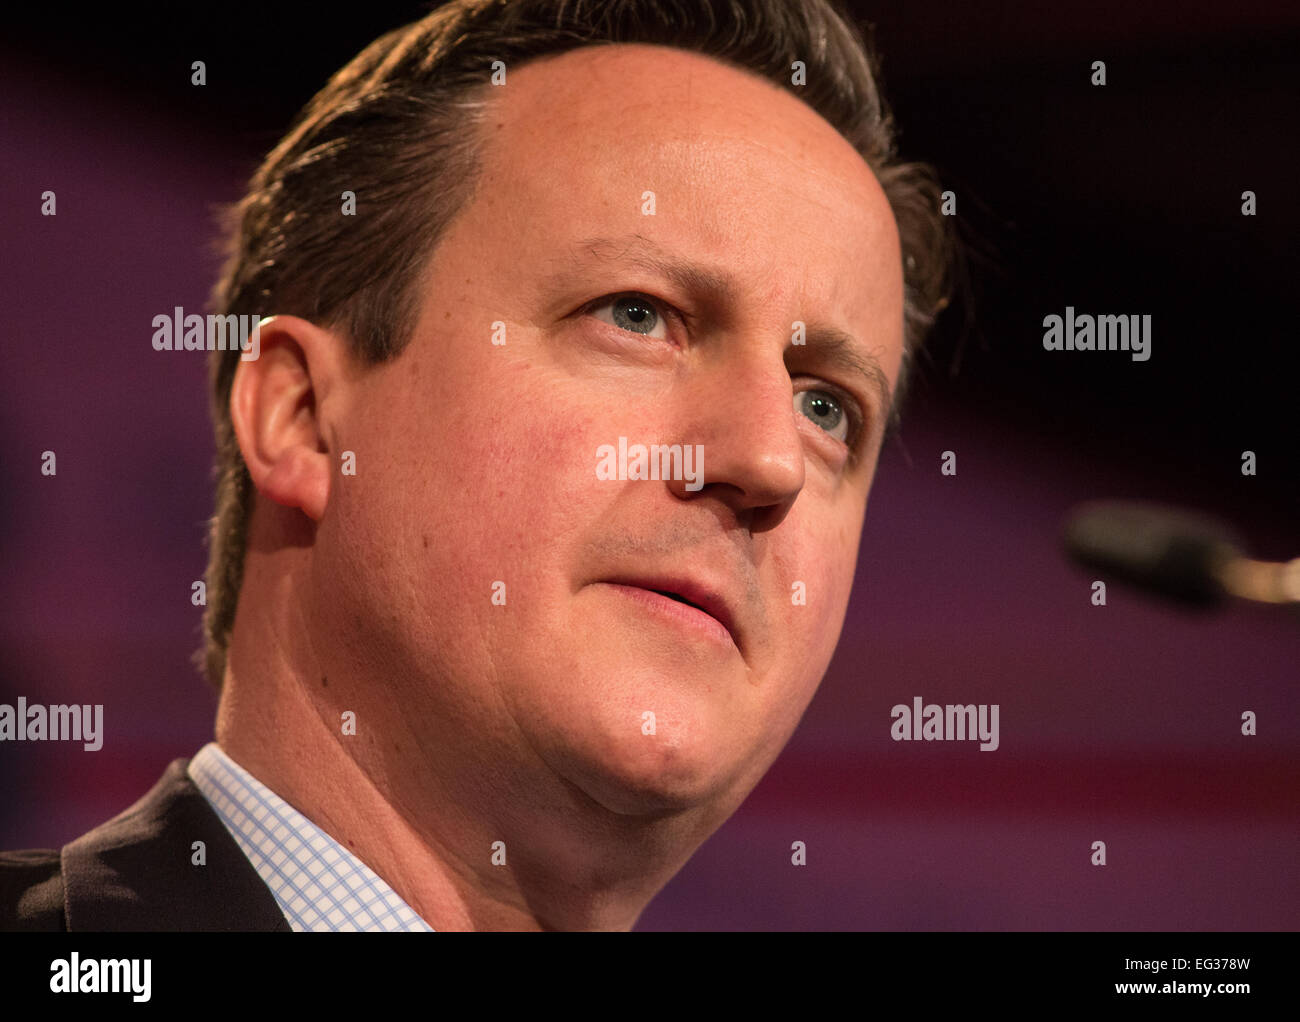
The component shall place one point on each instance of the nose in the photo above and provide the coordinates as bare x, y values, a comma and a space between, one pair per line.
740, 410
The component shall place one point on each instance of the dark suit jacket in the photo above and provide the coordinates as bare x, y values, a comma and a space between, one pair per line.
134, 873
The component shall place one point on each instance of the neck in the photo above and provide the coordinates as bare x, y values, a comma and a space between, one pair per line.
470, 839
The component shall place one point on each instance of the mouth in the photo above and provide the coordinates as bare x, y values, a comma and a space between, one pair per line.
679, 599
692, 603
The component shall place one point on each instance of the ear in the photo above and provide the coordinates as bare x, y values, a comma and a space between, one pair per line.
277, 405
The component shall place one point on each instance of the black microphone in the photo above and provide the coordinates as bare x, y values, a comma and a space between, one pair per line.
1181, 555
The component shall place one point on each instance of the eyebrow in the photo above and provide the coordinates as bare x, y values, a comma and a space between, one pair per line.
841, 351
834, 346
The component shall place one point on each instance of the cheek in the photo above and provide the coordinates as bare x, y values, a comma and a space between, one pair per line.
481, 484
815, 577
521, 480
453, 495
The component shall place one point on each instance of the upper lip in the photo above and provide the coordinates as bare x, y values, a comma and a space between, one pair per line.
705, 595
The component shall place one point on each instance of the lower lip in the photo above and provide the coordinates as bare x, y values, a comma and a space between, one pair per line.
681, 613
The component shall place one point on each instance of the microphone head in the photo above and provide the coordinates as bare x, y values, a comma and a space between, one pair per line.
1165, 550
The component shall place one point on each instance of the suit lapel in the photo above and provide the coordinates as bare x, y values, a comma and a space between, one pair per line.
135, 872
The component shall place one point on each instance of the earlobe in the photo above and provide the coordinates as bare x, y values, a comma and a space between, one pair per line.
298, 479
276, 404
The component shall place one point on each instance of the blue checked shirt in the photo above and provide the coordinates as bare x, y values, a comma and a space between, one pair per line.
319, 884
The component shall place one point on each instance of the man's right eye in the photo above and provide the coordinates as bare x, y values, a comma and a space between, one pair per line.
631, 311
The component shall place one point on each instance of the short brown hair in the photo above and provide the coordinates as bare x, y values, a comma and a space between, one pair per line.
398, 127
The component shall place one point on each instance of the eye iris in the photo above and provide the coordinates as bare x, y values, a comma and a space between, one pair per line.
821, 407
634, 314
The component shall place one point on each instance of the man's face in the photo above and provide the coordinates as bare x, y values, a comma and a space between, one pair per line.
477, 461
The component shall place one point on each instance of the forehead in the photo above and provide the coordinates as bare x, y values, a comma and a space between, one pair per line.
739, 171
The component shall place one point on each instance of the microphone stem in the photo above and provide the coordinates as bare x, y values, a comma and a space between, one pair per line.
1261, 581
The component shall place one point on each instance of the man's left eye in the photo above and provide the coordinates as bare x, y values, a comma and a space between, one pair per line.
825, 410
632, 312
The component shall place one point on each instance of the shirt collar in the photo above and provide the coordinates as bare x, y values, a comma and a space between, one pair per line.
319, 884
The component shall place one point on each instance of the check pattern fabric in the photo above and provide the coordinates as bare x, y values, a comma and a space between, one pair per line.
319, 885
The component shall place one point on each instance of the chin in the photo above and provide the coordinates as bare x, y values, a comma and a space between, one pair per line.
648, 775
585, 708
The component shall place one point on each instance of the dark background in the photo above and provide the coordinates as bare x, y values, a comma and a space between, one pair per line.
1119, 723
